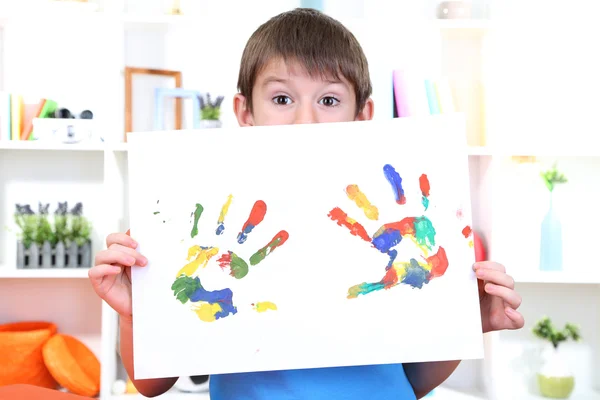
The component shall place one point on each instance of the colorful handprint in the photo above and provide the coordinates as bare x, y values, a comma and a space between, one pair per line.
211, 305
420, 229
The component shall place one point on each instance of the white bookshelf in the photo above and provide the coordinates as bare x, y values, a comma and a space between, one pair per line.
96, 173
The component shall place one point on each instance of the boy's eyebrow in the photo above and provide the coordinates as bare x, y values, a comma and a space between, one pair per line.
273, 78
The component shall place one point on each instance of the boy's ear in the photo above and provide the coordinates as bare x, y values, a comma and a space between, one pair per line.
366, 114
242, 113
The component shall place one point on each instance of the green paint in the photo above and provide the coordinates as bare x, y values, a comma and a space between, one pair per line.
197, 214
184, 286
239, 267
156, 212
262, 253
425, 202
424, 232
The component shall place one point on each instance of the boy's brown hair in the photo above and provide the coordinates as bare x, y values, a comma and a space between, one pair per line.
321, 44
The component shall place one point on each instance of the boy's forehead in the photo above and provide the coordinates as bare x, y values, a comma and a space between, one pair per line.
278, 69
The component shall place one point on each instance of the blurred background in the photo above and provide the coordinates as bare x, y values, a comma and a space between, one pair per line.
75, 76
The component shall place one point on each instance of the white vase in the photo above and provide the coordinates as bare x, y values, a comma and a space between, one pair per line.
555, 379
210, 123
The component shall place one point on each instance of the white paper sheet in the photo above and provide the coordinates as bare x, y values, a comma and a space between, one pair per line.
302, 173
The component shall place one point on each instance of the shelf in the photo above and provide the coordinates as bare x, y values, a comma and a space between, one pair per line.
564, 277
43, 273
35, 145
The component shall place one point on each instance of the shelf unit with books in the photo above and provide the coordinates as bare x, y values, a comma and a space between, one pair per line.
464, 51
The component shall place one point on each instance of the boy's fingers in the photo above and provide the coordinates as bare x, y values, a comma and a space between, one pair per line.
489, 265
495, 276
516, 318
140, 259
508, 295
98, 272
114, 257
122, 239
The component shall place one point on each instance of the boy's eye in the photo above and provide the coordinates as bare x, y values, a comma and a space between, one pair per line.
282, 100
329, 101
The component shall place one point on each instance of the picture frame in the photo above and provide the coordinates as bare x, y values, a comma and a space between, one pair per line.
160, 94
129, 73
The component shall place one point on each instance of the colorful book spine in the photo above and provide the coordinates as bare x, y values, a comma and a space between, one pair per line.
401, 94
444, 95
432, 98
17, 115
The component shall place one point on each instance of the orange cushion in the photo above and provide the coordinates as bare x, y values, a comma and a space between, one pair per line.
73, 365
21, 360
30, 392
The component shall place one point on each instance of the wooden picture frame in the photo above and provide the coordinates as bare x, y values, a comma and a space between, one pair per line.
129, 72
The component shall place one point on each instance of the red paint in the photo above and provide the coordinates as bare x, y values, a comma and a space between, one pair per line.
438, 263
406, 226
354, 227
459, 214
225, 260
424, 184
256, 215
467, 231
390, 279
282, 236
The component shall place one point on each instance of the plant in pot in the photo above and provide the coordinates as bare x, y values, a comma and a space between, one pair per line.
63, 243
555, 380
551, 231
210, 112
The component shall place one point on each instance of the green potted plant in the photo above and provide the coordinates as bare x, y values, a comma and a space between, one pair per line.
555, 380
210, 112
551, 231
63, 242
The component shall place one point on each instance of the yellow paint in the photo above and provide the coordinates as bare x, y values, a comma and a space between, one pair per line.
400, 268
225, 209
202, 257
361, 201
423, 248
207, 312
264, 306
471, 244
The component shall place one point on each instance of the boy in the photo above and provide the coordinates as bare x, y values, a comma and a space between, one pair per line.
302, 67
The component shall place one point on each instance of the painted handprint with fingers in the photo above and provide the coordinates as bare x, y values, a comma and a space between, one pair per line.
211, 305
419, 229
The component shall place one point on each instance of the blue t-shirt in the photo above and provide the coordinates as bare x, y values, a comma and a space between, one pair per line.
371, 382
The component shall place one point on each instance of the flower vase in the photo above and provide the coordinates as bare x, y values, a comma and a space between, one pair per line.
551, 241
555, 380
210, 123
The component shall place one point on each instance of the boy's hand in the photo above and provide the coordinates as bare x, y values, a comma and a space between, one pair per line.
111, 275
498, 299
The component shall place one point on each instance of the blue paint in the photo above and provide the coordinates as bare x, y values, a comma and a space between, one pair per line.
243, 235
393, 254
396, 181
220, 229
387, 239
416, 275
223, 297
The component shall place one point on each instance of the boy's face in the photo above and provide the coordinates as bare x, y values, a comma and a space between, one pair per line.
285, 94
